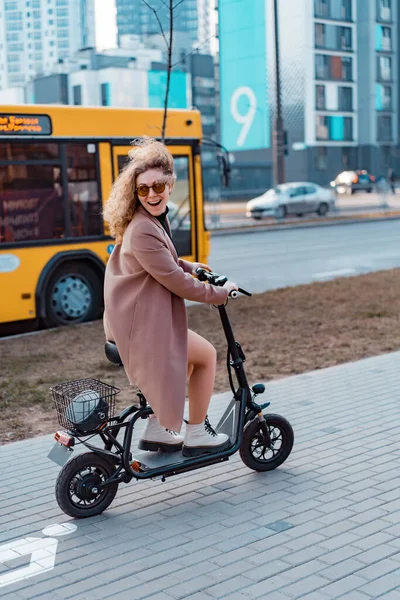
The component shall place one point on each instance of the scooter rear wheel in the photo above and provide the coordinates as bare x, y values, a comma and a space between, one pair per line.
78, 490
255, 452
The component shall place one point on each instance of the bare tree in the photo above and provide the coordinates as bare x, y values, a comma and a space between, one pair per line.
171, 6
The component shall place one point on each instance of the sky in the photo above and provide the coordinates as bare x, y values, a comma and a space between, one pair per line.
106, 30
105, 24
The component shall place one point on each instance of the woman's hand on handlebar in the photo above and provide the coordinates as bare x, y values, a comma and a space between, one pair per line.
231, 287
220, 281
198, 265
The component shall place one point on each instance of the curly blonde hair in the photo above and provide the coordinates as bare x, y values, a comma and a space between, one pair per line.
123, 202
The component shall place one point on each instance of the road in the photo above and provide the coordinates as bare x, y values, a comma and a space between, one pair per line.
261, 261
233, 214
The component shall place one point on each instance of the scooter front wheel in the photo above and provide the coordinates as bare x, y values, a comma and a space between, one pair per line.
78, 489
255, 451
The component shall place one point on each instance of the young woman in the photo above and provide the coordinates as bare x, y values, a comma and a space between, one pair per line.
145, 315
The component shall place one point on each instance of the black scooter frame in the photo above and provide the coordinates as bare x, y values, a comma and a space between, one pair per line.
122, 456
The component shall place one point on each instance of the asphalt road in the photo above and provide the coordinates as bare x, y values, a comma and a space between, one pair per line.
233, 214
261, 261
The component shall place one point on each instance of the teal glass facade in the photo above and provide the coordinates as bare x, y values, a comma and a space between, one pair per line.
157, 83
245, 118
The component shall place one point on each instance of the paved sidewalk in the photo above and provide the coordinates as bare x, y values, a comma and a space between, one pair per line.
324, 525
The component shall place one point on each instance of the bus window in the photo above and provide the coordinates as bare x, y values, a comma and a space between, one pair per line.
179, 205
31, 203
83, 190
180, 208
23, 151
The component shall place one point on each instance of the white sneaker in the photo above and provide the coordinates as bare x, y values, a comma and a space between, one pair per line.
202, 439
156, 438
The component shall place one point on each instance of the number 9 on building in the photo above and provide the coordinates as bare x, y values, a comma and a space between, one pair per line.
243, 75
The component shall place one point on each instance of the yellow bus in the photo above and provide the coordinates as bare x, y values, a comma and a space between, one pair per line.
57, 166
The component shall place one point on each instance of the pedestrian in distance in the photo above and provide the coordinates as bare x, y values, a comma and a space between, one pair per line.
392, 180
145, 314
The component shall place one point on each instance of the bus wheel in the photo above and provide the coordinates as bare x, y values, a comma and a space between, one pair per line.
73, 294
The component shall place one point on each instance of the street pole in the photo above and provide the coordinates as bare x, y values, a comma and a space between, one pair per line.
279, 132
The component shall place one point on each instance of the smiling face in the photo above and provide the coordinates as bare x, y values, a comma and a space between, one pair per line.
155, 203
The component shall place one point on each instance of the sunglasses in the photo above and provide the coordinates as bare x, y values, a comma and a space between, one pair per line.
143, 190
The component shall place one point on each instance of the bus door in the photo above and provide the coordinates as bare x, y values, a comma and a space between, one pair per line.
182, 211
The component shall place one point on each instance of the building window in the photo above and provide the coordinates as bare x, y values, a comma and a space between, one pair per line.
208, 120
105, 94
345, 98
334, 128
333, 37
15, 47
339, 10
13, 58
384, 10
322, 131
385, 68
345, 10
319, 35
383, 97
321, 8
204, 82
322, 158
384, 128
348, 128
341, 68
333, 67
77, 94
321, 66
345, 38
386, 39
383, 38
320, 102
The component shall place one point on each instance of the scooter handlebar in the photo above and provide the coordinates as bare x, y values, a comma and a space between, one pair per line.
218, 280
235, 293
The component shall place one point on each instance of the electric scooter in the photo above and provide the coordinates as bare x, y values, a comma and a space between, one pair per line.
88, 483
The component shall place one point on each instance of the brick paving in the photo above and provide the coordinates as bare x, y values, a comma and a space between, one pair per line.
324, 525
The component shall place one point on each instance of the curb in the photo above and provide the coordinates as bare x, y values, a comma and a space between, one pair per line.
274, 228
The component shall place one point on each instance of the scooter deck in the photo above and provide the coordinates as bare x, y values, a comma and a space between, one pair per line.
155, 460
227, 425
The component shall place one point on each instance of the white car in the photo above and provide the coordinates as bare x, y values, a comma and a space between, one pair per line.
297, 198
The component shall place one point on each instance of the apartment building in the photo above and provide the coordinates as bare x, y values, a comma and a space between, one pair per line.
339, 62
135, 18
36, 34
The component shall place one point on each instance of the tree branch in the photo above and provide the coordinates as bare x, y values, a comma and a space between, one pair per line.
193, 51
158, 20
171, 28
177, 4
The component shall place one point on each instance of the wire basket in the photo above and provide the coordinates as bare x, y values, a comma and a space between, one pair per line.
84, 405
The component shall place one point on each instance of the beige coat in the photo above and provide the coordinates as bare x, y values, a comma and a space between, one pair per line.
145, 315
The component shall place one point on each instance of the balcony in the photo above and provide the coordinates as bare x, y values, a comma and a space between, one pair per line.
386, 45
385, 14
